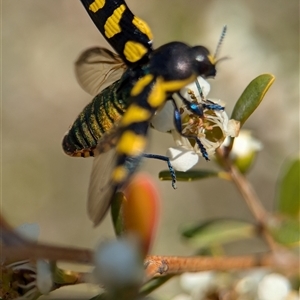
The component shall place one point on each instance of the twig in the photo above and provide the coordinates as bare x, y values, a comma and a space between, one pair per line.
157, 266
250, 197
43, 251
16, 247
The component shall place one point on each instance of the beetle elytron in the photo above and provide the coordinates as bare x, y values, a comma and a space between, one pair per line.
150, 78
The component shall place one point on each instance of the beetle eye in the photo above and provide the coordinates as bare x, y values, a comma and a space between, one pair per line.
200, 57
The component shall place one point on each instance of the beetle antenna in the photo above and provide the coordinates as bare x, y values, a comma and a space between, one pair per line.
220, 40
199, 88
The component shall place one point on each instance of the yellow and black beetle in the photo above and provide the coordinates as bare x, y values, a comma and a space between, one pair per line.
115, 124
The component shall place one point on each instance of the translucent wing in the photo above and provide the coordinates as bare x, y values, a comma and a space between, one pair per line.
102, 184
100, 189
97, 68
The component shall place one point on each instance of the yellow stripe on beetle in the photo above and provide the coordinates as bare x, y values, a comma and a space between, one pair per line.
111, 25
176, 85
96, 5
119, 174
141, 84
131, 144
159, 92
134, 51
135, 114
143, 27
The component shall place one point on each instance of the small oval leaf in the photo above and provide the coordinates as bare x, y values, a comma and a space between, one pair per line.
289, 192
153, 284
251, 97
285, 231
189, 175
216, 232
117, 214
62, 277
103, 296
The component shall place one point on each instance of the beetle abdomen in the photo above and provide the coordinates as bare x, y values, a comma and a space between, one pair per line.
97, 118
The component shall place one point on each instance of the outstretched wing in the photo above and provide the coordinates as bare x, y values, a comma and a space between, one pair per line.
130, 37
119, 152
101, 187
97, 68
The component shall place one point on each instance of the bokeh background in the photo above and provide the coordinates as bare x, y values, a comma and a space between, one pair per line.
41, 98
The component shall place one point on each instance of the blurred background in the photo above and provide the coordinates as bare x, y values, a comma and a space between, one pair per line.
41, 98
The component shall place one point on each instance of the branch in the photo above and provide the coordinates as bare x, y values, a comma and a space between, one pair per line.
250, 197
157, 266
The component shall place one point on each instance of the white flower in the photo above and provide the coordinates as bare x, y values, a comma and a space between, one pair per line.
36, 277
197, 284
211, 129
44, 280
200, 285
255, 284
244, 144
244, 150
182, 159
164, 119
274, 287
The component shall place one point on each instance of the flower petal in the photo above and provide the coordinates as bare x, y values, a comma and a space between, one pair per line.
44, 279
164, 119
233, 128
205, 87
273, 286
181, 158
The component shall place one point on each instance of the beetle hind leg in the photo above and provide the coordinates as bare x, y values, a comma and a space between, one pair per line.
167, 160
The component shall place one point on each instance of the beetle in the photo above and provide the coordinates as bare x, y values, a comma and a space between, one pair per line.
149, 79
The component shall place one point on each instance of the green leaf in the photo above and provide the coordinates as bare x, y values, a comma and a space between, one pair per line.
64, 277
216, 232
288, 196
153, 284
189, 175
251, 97
117, 214
285, 231
102, 296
